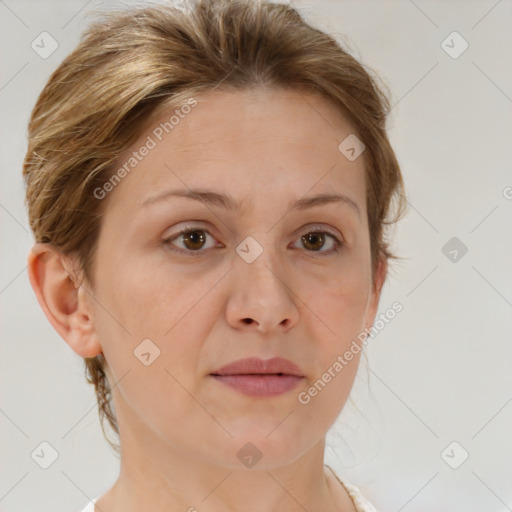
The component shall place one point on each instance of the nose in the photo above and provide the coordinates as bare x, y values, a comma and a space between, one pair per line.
260, 298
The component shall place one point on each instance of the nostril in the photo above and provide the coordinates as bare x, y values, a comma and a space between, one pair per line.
247, 320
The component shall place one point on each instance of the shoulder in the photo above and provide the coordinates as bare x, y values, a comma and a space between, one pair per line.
361, 504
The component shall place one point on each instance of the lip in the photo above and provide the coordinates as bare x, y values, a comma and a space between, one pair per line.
258, 377
255, 365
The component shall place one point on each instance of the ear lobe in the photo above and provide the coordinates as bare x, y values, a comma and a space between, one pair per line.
64, 301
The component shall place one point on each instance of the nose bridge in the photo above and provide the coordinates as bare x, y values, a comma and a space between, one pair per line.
261, 292
258, 263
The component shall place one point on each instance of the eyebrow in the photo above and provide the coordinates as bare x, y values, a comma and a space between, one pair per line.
211, 198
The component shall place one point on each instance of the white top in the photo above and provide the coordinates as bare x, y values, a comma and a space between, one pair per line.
90, 506
361, 504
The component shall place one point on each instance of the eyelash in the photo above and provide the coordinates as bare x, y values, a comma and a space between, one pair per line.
338, 244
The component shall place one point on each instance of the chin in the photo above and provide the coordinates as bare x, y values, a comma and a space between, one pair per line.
261, 449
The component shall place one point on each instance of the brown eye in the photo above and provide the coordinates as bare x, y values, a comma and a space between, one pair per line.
313, 241
190, 240
317, 241
194, 240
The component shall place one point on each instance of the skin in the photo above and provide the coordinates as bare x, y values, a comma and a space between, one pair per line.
180, 429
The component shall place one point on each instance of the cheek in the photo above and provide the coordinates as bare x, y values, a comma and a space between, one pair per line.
151, 300
141, 302
340, 301
148, 310
340, 310
340, 307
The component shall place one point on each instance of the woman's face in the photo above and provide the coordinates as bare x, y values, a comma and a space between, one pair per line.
250, 279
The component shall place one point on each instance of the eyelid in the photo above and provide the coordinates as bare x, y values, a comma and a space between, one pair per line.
311, 228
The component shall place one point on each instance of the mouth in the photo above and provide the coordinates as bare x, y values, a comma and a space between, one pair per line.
258, 377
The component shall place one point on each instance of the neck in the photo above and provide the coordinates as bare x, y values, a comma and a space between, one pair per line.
159, 476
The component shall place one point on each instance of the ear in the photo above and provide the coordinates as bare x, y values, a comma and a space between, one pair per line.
65, 301
378, 283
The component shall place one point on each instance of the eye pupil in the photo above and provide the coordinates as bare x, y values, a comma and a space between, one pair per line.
313, 239
195, 237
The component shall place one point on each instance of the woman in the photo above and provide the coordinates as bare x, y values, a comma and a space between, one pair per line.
208, 189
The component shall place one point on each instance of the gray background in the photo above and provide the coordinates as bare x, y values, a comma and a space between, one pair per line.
439, 372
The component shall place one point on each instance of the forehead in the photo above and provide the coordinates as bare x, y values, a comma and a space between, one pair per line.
255, 144
240, 119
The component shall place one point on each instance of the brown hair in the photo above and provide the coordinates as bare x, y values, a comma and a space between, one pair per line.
131, 62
